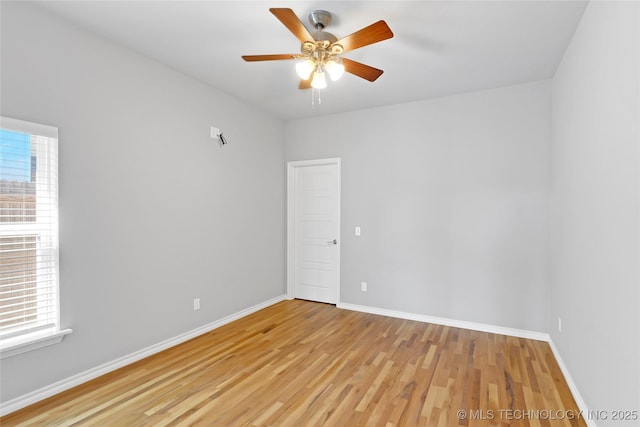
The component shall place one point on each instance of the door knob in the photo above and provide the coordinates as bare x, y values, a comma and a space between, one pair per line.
333, 242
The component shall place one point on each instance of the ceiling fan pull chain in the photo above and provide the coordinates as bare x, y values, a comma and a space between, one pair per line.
316, 98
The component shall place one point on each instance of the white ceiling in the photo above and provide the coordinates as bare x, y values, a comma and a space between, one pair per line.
439, 47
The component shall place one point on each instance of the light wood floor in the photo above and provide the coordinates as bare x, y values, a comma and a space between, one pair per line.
299, 363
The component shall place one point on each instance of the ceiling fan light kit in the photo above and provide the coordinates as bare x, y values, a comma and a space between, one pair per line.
335, 68
319, 81
321, 52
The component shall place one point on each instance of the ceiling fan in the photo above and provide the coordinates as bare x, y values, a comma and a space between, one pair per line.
322, 51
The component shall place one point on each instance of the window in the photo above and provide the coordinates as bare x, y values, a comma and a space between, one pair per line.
29, 312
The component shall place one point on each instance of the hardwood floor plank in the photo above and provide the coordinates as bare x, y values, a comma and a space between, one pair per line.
299, 363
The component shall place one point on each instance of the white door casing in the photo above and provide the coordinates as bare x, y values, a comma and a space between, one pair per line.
313, 230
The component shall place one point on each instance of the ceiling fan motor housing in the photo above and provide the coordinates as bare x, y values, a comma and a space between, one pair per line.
323, 35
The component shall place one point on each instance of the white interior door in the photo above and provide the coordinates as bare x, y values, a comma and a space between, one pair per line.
314, 228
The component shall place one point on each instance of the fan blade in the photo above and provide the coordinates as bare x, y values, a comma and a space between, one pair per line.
374, 33
291, 21
361, 70
252, 58
305, 84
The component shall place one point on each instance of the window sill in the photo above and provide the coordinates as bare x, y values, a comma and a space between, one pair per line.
33, 341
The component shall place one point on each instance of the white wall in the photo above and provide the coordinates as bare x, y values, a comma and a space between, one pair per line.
152, 211
595, 208
452, 198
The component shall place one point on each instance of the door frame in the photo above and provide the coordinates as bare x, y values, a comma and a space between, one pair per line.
291, 237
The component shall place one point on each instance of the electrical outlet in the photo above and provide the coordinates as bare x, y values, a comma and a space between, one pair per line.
357, 231
363, 286
196, 304
560, 324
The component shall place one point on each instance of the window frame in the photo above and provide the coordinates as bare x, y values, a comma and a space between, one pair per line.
27, 340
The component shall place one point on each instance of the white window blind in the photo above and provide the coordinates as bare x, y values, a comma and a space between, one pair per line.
28, 228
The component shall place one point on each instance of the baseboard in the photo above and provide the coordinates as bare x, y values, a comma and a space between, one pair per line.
65, 384
521, 333
582, 406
